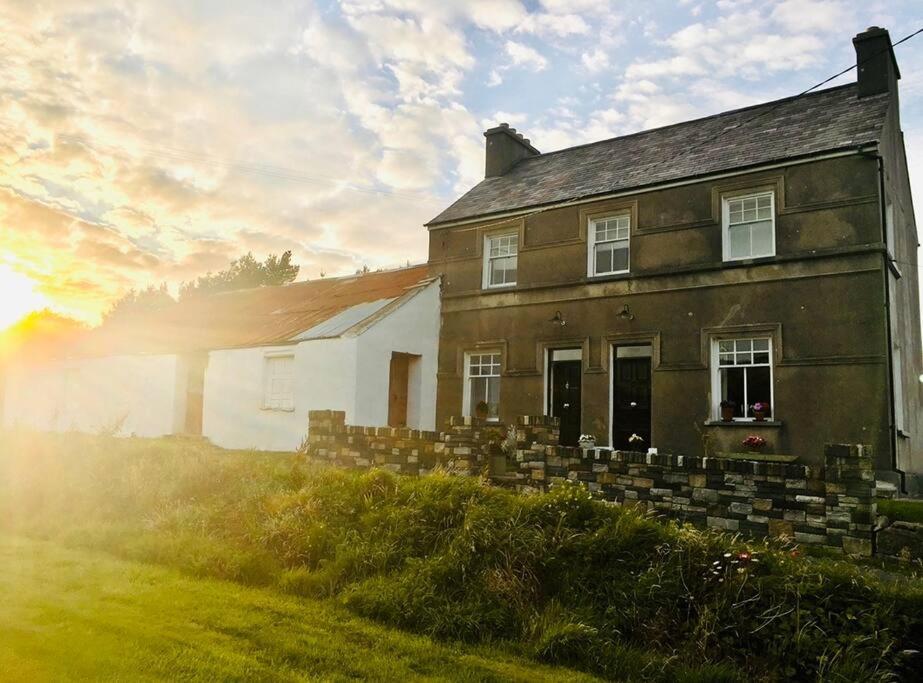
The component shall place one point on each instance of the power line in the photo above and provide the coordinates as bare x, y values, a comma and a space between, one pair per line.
769, 109
763, 112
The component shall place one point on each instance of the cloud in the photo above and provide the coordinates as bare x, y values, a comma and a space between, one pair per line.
729, 46
154, 140
523, 55
813, 15
595, 60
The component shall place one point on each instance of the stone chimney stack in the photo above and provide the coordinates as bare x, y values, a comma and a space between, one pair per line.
505, 148
877, 67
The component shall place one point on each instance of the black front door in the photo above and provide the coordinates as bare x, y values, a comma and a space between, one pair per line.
631, 403
565, 398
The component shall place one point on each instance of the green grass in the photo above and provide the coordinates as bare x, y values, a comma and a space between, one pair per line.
72, 615
901, 510
558, 576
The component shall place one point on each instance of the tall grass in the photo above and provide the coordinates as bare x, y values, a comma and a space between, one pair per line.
567, 578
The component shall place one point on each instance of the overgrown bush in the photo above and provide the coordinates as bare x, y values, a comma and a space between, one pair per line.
565, 577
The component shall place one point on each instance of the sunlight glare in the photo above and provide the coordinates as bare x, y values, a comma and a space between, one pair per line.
17, 296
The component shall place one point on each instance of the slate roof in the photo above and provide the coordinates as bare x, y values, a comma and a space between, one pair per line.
822, 121
252, 317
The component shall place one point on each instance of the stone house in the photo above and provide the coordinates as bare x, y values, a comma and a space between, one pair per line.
748, 273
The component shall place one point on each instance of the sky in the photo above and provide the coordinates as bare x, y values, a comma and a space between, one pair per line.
147, 142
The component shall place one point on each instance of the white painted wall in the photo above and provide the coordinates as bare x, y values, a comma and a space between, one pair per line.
93, 395
412, 328
349, 373
233, 415
346, 373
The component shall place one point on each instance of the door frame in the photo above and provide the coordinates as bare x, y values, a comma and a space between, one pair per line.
547, 351
614, 343
548, 378
407, 359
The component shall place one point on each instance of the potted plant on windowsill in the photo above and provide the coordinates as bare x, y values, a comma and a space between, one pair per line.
760, 408
481, 410
754, 443
727, 411
586, 441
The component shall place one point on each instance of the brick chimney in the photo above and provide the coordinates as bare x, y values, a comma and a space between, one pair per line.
505, 148
877, 67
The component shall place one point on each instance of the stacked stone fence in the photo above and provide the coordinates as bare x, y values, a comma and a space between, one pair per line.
831, 505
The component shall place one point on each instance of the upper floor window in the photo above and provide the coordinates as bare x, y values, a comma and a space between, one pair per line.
279, 383
749, 226
742, 377
608, 245
501, 259
482, 384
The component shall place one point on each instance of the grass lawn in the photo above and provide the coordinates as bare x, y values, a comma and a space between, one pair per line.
81, 615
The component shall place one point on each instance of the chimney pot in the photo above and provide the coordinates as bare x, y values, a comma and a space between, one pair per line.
875, 62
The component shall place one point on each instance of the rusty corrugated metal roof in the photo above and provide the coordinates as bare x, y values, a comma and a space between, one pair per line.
247, 317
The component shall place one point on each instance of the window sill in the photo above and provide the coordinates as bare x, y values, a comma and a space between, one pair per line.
743, 423
620, 275
278, 410
491, 288
892, 266
750, 259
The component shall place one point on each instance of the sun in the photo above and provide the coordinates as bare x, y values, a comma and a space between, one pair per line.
17, 296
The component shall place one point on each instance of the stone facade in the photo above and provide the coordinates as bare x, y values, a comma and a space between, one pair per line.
831, 505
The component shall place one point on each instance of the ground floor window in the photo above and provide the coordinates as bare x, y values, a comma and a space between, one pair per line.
482, 384
279, 383
742, 380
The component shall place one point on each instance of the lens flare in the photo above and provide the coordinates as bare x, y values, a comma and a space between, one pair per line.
17, 296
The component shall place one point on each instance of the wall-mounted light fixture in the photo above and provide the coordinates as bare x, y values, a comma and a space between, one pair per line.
558, 319
626, 313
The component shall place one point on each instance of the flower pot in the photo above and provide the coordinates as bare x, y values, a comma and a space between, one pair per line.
727, 414
587, 443
759, 415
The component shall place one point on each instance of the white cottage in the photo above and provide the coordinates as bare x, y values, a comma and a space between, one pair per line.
243, 368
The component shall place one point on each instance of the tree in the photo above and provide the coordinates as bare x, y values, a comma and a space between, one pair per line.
243, 273
135, 302
39, 333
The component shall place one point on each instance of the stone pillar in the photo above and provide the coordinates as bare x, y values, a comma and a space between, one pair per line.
326, 421
850, 496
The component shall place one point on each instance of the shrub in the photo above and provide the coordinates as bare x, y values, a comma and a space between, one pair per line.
568, 578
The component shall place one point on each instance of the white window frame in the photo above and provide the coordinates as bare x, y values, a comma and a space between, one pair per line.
268, 400
592, 244
488, 259
891, 247
897, 370
726, 224
466, 391
716, 376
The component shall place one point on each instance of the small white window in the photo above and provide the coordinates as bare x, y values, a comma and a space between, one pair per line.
501, 260
279, 385
482, 384
608, 245
742, 377
749, 226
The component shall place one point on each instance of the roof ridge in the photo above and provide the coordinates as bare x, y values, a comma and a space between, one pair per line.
686, 122
296, 283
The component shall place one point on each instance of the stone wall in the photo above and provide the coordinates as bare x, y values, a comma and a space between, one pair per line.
832, 505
